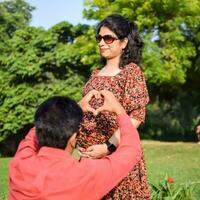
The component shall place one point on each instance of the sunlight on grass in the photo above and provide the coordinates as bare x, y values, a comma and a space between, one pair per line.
178, 160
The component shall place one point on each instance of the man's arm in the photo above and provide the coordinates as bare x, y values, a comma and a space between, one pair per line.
115, 139
101, 150
28, 146
110, 170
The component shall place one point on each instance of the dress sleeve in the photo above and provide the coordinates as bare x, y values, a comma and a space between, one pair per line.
135, 93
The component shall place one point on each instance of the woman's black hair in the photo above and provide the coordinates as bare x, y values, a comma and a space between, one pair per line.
123, 28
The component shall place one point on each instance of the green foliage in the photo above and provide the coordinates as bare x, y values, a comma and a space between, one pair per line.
86, 48
179, 160
13, 15
41, 64
173, 120
81, 50
37, 63
168, 190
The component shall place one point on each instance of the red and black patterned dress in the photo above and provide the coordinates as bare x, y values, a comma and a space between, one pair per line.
129, 88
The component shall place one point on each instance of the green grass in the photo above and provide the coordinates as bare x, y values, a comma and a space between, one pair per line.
181, 161
3, 177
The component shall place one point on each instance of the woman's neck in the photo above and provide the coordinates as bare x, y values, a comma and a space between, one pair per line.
110, 69
112, 64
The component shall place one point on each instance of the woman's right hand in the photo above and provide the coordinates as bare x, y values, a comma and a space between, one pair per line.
84, 102
111, 103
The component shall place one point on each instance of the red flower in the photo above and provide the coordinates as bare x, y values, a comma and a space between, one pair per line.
170, 179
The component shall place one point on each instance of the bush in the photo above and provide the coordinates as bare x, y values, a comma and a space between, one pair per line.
173, 120
167, 190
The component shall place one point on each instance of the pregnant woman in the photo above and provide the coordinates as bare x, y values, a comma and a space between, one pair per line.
120, 48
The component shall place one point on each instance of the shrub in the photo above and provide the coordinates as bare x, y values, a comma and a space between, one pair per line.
168, 190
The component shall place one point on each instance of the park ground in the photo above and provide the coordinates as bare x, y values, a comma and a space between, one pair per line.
178, 160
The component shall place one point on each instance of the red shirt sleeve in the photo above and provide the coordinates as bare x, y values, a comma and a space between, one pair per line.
28, 146
110, 170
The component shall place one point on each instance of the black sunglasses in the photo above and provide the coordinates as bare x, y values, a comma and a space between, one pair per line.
108, 39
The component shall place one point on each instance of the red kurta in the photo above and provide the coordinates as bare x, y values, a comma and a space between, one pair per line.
52, 174
129, 88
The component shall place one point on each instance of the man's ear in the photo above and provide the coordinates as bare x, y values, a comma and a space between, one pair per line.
71, 143
72, 140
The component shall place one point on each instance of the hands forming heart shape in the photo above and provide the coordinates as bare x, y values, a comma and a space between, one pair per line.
84, 103
110, 102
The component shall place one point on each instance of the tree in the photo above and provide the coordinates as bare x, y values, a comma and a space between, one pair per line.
42, 64
37, 63
13, 16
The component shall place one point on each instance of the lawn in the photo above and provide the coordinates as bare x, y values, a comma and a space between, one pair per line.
3, 177
181, 161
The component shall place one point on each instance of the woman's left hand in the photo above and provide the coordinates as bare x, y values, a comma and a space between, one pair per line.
96, 151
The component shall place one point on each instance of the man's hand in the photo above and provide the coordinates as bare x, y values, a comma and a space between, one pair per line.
110, 103
94, 151
84, 102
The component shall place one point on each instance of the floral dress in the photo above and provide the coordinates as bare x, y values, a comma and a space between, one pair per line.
129, 88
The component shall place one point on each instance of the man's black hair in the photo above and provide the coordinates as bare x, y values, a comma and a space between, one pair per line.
56, 120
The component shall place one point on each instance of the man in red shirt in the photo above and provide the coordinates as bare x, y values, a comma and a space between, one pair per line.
43, 169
